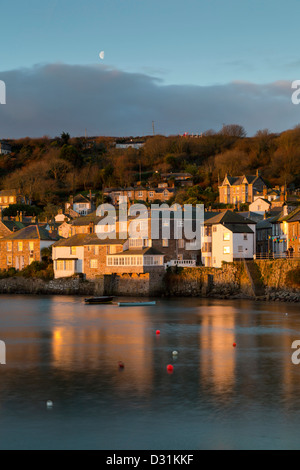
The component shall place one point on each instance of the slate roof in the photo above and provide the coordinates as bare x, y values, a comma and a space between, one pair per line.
238, 228
32, 232
229, 217
238, 180
82, 239
80, 198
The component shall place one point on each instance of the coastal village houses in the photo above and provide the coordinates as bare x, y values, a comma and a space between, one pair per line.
91, 256
88, 254
161, 194
21, 248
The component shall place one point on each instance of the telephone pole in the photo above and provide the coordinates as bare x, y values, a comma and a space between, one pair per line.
153, 127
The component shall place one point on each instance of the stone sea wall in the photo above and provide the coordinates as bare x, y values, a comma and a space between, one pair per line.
230, 281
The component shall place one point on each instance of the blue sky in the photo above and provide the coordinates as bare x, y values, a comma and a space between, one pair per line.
179, 43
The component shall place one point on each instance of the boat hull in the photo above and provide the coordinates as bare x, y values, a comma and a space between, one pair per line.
135, 304
99, 300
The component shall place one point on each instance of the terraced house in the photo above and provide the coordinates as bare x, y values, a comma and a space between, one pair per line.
21, 248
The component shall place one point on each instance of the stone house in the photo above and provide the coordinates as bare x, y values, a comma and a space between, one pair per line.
241, 189
9, 197
21, 248
91, 256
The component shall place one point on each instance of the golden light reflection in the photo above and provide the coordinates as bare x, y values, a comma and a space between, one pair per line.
107, 335
218, 358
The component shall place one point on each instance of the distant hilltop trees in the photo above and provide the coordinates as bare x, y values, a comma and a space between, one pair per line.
47, 171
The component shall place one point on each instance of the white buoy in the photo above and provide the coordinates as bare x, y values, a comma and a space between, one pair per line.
175, 353
49, 404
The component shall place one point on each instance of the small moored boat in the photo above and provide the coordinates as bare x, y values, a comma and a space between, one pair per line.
99, 300
135, 304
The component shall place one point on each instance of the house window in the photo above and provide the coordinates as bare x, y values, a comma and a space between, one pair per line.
69, 265
181, 243
93, 263
20, 246
226, 236
73, 250
135, 242
31, 246
245, 236
151, 193
140, 194
240, 249
165, 243
60, 265
214, 229
96, 250
226, 250
9, 260
9, 246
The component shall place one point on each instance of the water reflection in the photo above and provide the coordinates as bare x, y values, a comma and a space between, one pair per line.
60, 348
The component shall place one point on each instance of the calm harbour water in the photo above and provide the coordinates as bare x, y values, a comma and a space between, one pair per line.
218, 396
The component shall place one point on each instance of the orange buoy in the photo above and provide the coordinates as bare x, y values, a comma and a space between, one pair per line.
170, 368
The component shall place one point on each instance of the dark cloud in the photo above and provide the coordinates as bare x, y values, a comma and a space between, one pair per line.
50, 99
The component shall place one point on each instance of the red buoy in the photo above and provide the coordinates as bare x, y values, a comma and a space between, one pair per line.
234, 345
157, 332
170, 368
121, 364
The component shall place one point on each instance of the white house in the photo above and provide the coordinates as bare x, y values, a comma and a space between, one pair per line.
5, 148
260, 205
68, 256
227, 237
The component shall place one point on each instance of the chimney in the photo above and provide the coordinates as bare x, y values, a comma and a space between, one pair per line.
285, 210
282, 194
265, 192
21, 217
257, 172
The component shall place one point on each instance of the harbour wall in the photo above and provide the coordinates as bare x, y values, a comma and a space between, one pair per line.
232, 280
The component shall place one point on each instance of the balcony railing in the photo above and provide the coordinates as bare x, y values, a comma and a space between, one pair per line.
182, 263
288, 255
